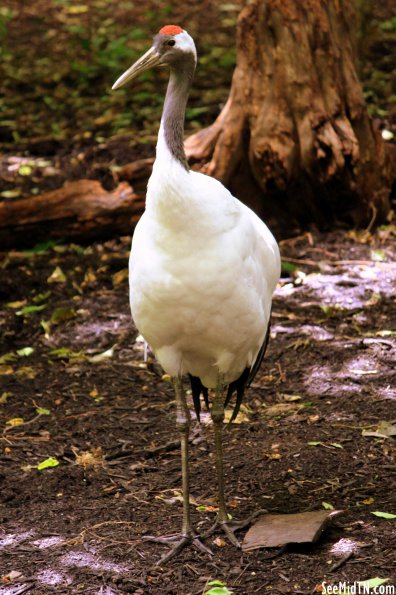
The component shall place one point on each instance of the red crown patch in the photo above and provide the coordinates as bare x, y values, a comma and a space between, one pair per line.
171, 30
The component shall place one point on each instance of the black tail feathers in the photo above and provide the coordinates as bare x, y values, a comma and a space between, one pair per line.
238, 386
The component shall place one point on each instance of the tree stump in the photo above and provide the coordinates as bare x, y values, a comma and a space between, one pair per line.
295, 140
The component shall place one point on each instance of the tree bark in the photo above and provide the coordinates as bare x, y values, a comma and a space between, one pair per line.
81, 211
294, 140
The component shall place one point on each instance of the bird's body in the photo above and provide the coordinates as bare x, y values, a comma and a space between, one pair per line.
203, 268
202, 271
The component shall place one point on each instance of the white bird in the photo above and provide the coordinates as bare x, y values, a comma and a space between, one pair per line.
203, 268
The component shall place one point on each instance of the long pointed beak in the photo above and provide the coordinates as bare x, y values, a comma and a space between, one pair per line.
148, 60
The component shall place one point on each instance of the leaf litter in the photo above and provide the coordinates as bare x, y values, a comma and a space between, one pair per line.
116, 421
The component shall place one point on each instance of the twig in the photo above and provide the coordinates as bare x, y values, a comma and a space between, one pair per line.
29, 584
80, 538
342, 561
25, 423
373, 218
12, 439
390, 265
327, 252
306, 237
312, 263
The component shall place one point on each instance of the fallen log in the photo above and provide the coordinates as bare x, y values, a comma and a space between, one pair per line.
80, 211
137, 172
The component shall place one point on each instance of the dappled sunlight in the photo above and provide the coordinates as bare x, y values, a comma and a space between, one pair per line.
91, 561
91, 330
317, 333
387, 392
52, 578
13, 539
353, 288
46, 542
12, 590
335, 378
360, 366
46, 575
318, 380
344, 546
340, 319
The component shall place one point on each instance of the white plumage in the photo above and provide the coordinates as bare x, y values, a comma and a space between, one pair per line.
203, 268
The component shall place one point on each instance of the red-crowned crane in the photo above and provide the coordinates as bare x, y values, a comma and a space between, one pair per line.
203, 268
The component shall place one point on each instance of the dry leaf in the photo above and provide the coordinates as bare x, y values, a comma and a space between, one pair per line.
91, 458
220, 542
6, 370
282, 409
57, 276
275, 530
120, 277
384, 430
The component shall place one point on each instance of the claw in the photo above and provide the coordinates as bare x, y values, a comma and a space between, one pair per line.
177, 543
229, 528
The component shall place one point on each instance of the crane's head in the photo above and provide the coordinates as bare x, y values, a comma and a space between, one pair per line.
172, 46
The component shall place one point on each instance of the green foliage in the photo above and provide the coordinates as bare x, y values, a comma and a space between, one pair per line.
26, 310
42, 411
327, 506
6, 15
47, 463
384, 515
62, 313
25, 351
193, 112
389, 25
217, 588
288, 267
42, 247
7, 357
41, 297
65, 353
60, 88
377, 66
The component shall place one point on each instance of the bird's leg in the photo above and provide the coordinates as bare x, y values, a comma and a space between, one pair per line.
183, 422
229, 527
217, 414
188, 536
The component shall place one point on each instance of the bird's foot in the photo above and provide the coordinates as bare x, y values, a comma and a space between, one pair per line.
230, 527
176, 544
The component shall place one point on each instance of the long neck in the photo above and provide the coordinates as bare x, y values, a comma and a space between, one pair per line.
172, 121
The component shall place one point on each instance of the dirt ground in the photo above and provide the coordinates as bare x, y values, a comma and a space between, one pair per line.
74, 387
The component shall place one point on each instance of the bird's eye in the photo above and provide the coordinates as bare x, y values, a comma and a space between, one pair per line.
171, 42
